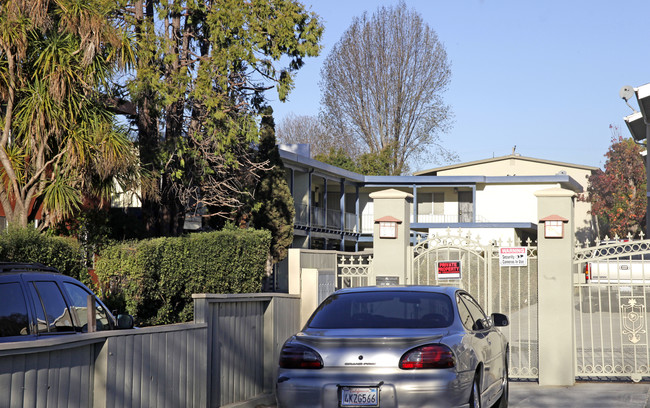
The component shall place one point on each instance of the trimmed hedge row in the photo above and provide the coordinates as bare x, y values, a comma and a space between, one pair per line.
154, 280
27, 245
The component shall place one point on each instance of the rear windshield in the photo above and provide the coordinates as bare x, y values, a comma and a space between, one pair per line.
383, 310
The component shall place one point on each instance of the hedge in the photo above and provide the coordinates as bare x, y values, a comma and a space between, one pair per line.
154, 280
28, 245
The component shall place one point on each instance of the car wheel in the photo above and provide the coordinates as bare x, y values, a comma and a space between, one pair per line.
502, 402
475, 396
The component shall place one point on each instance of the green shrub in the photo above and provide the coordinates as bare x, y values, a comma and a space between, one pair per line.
154, 279
29, 245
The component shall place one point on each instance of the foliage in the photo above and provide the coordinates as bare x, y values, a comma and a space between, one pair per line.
28, 245
369, 164
382, 85
154, 279
338, 158
274, 208
59, 143
618, 194
377, 163
202, 72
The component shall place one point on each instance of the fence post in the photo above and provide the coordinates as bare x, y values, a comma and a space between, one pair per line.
555, 236
203, 314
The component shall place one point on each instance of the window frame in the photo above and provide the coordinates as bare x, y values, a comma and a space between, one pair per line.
469, 302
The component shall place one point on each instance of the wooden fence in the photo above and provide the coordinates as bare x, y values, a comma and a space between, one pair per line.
228, 356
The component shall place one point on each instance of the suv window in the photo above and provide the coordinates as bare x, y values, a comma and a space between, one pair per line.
14, 320
52, 312
79, 299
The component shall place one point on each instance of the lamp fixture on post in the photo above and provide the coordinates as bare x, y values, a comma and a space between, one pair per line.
638, 123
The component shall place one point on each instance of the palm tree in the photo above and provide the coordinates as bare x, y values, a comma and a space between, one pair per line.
59, 142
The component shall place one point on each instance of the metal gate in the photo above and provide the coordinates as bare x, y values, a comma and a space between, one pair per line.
612, 293
511, 290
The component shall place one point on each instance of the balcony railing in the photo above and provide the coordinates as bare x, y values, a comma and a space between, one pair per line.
367, 220
322, 218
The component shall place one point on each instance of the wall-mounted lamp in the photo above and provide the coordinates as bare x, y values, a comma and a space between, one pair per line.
387, 226
554, 226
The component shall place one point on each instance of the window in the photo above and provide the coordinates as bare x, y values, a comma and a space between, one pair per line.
479, 320
386, 309
14, 320
52, 313
424, 203
79, 299
465, 316
438, 203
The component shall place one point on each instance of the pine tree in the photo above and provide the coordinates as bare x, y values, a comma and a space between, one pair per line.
273, 207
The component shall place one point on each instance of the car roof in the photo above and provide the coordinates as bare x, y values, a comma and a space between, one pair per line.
33, 267
449, 290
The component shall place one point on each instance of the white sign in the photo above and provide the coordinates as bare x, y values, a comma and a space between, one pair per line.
513, 256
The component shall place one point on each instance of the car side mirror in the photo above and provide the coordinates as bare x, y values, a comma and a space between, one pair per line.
124, 321
500, 320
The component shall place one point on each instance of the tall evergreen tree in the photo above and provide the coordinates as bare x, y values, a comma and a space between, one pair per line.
273, 207
203, 69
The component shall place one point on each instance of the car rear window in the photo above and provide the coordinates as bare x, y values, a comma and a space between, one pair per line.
388, 309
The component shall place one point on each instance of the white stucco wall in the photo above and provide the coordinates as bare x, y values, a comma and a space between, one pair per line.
508, 202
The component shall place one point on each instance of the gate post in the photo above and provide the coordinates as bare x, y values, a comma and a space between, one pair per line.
555, 236
391, 248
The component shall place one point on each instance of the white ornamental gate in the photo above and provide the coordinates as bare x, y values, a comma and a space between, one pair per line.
612, 294
456, 260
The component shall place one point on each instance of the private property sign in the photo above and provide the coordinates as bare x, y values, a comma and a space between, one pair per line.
513, 256
448, 270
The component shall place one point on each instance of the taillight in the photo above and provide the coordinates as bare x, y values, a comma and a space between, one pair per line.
587, 273
429, 356
299, 356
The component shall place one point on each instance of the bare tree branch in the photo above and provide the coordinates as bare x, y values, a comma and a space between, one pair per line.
382, 85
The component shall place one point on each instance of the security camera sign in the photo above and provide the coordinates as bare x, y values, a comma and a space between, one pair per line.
513, 256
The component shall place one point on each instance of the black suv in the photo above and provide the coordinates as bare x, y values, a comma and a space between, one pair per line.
37, 301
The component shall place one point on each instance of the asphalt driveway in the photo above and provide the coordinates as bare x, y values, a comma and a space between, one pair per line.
581, 395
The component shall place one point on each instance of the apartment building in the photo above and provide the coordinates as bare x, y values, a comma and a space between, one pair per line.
493, 199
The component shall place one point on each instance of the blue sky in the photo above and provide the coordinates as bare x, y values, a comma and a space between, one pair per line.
543, 75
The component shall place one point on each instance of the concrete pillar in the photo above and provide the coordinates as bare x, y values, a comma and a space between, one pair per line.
293, 271
390, 255
555, 289
308, 293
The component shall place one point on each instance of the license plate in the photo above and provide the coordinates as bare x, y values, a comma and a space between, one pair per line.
359, 397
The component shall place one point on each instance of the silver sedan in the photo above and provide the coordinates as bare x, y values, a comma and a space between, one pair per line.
396, 346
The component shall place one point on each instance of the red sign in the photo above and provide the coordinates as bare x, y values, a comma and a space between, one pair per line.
449, 270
